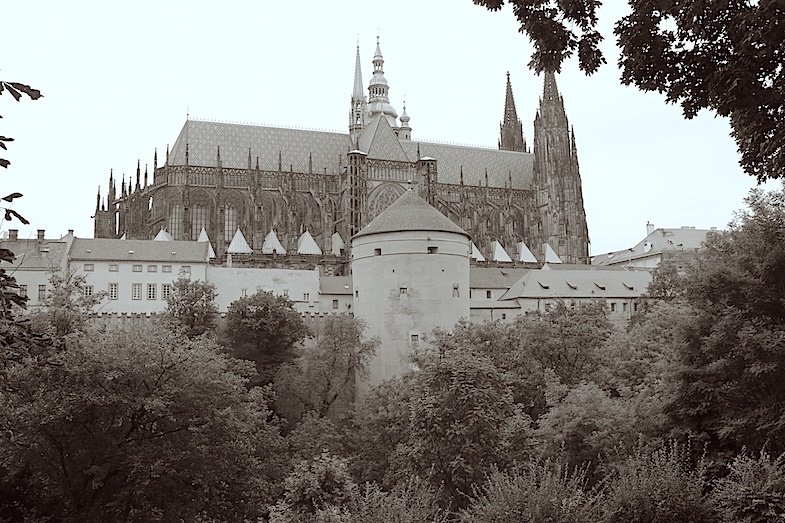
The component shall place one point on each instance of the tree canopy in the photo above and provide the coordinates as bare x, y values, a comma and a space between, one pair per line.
722, 56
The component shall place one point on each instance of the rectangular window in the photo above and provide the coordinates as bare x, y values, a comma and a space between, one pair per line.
356, 293
488, 294
414, 340
455, 292
335, 304
176, 221
504, 316
470, 293
23, 291
137, 268
286, 293
166, 291
403, 290
635, 306
151, 291
88, 290
377, 252
166, 268
433, 250
613, 307
306, 296
624, 307
243, 293
230, 222
152, 268
112, 291
113, 267
136, 291
198, 220
41, 292
89, 267
185, 269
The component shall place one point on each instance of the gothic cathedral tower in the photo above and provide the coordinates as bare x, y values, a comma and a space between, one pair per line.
556, 180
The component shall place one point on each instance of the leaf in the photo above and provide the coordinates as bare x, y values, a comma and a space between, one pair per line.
34, 94
16, 94
4, 163
6, 255
12, 196
18, 216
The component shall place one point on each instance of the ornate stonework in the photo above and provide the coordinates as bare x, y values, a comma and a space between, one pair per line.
222, 176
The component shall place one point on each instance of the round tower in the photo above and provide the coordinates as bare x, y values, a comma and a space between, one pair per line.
410, 273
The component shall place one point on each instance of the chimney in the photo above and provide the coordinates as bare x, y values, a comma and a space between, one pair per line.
40, 234
13, 234
649, 228
70, 232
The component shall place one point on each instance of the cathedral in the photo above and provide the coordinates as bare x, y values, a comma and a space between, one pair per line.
221, 178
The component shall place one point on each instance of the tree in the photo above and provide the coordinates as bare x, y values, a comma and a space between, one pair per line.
753, 491
139, 424
264, 328
66, 307
716, 55
537, 491
191, 304
732, 376
327, 373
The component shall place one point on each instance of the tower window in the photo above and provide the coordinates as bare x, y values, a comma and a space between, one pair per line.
414, 340
433, 250
377, 252
488, 295
404, 290
456, 293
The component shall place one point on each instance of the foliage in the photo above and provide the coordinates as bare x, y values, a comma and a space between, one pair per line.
537, 491
666, 283
191, 304
658, 487
380, 431
66, 306
460, 407
567, 340
723, 56
16, 90
313, 485
264, 328
753, 491
139, 424
327, 373
732, 382
558, 30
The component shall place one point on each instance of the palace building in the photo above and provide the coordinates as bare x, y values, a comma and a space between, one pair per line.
274, 185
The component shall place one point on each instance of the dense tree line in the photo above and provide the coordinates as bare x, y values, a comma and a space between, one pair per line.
557, 416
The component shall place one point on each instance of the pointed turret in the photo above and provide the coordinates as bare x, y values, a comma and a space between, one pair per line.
112, 193
511, 131
378, 100
560, 217
98, 201
358, 113
406, 130
138, 175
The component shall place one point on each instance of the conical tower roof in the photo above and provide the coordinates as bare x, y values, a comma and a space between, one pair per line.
272, 244
203, 237
239, 245
307, 245
410, 213
162, 236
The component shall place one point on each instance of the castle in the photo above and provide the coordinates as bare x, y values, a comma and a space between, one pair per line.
224, 177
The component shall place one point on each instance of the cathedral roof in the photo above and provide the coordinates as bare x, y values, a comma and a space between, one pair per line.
378, 140
410, 213
295, 146
327, 150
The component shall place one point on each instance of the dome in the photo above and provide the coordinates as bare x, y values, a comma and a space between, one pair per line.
378, 79
410, 213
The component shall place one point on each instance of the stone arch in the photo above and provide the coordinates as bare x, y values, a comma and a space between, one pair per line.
381, 197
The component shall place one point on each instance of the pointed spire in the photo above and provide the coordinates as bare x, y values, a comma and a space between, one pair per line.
112, 196
511, 129
166, 162
98, 200
551, 111
122, 186
145, 175
218, 157
358, 90
249, 158
155, 160
186, 154
138, 175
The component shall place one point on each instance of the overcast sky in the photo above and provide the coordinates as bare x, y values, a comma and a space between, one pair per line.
120, 78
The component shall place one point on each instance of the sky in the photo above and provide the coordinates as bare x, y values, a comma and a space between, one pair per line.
120, 78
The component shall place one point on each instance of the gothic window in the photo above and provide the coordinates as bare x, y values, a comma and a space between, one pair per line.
200, 213
382, 200
175, 227
230, 222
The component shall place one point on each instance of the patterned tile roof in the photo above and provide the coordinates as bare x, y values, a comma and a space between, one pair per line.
410, 213
474, 161
104, 249
295, 145
327, 151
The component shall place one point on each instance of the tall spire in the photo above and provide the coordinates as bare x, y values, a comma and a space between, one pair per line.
358, 113
551, 110
511, 131
378, 100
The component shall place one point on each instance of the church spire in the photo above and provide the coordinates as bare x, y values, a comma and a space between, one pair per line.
359, 107
378, 100
511, 130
